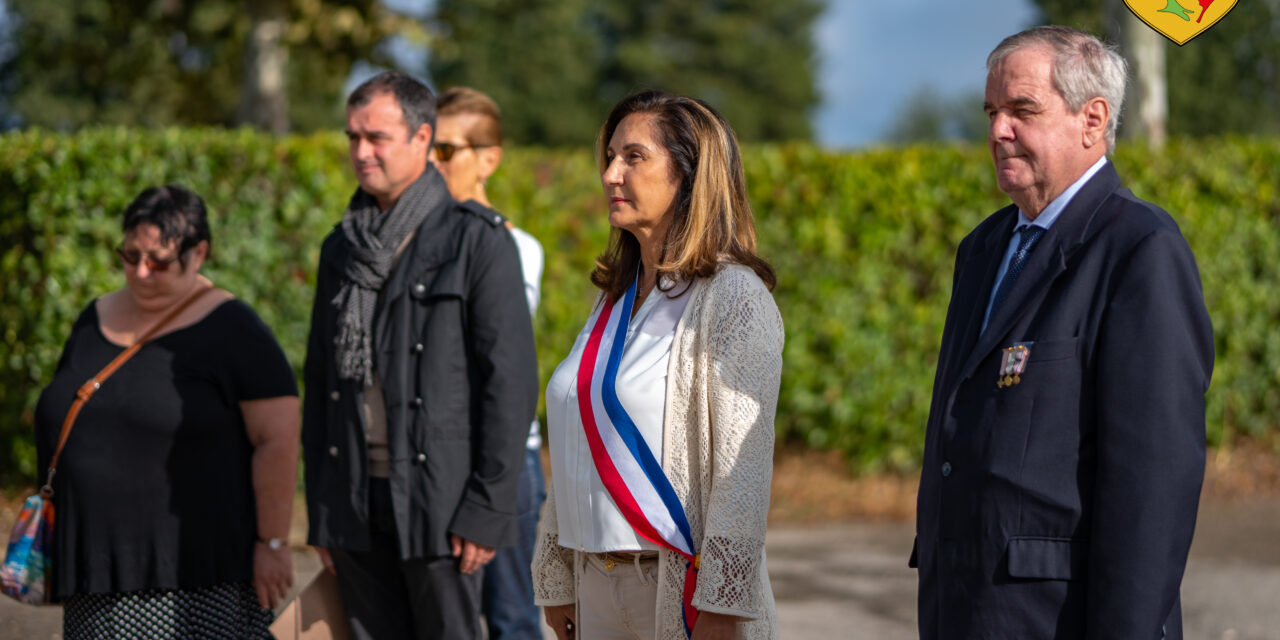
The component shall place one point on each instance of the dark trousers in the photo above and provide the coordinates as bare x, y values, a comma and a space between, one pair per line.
507, 603
387, 597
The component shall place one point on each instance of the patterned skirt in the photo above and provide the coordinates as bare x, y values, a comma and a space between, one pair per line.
229, 610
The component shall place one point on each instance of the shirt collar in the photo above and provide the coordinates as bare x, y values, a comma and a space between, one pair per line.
1051, 212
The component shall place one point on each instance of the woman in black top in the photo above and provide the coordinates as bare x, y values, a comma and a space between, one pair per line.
175, 487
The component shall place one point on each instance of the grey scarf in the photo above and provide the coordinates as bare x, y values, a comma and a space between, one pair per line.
372, 239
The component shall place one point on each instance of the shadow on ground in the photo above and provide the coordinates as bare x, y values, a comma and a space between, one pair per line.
850, 580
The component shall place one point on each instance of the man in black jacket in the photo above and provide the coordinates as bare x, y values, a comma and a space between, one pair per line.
420, 379
1065, 444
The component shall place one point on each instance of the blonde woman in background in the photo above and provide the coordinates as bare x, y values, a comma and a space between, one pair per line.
467, 150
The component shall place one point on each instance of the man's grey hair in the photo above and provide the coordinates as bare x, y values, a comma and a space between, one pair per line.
1084, 68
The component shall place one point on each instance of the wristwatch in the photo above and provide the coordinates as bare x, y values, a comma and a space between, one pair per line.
274, 544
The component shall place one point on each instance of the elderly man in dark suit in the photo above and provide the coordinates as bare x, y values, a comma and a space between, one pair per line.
1065, 444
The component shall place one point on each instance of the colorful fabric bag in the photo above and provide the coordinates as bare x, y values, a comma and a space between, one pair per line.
24, 576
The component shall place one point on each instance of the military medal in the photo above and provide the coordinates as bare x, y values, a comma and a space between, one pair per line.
1013, 363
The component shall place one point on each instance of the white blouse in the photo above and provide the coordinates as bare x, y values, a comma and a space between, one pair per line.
589, 519
530, 252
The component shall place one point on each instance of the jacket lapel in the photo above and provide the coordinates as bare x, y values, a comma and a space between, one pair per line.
1047, 262
432, 244
977, 276
426, 249
426, 240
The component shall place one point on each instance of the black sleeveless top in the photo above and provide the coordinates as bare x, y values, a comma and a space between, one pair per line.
154, 487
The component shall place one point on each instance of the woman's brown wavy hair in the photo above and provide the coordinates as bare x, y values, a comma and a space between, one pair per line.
711, 218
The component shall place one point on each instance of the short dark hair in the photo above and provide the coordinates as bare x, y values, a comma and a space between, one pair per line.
178, 212
417, 103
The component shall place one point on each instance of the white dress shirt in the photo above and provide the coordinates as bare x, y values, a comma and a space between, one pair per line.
588, 518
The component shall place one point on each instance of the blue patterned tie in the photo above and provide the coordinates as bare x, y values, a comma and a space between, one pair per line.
1030, 234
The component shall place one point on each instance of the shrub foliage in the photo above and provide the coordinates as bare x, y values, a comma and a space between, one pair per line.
863, 244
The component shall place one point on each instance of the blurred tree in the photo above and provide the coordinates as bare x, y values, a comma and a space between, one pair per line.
1147, 93
924, 118
751, 59
536, 58
264, 99
929, 117
161, 62
560, 66
7, 118
1226, 80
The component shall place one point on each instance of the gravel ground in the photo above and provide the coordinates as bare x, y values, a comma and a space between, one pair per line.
850, 580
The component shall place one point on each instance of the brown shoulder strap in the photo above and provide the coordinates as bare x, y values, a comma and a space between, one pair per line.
87, 389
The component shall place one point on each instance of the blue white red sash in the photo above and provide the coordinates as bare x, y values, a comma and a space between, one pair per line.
626, 465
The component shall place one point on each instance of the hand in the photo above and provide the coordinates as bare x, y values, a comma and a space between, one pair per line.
471, 556
326, 559
715, 626
272, 574
560, 619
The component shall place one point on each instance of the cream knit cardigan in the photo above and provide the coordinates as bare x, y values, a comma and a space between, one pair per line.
722, 393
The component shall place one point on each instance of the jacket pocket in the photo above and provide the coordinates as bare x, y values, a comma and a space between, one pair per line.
426, 288
1050, 350
1048, 558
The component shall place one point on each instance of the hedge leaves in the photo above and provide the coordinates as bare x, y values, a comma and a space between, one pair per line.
863, 244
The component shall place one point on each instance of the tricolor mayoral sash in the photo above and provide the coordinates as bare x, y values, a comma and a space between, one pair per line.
627, 467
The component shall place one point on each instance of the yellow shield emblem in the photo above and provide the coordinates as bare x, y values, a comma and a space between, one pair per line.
1180, 20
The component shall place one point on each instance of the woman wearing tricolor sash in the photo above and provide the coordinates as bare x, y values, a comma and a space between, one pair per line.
660, 420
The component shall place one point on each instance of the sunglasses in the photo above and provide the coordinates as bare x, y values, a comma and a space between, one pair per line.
132, 257
445, 150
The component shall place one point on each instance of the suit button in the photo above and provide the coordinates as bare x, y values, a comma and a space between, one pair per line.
946, 469
415, 403
417, 348
333, 452
419, 288
422, 457
335, 396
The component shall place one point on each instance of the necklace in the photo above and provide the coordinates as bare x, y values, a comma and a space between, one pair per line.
642, 293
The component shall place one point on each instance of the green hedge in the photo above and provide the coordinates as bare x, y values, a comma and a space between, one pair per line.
863, 244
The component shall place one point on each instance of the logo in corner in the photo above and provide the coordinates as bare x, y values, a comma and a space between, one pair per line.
1175, 21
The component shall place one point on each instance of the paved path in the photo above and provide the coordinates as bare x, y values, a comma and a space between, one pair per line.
850, 580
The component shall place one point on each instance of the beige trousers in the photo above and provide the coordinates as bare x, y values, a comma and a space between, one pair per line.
616, 601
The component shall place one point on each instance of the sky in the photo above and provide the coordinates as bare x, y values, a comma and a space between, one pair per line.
874, 56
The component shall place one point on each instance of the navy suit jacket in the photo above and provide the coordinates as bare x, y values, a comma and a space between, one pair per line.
1063, 506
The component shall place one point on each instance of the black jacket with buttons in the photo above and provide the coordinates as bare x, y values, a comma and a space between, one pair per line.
454, 350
